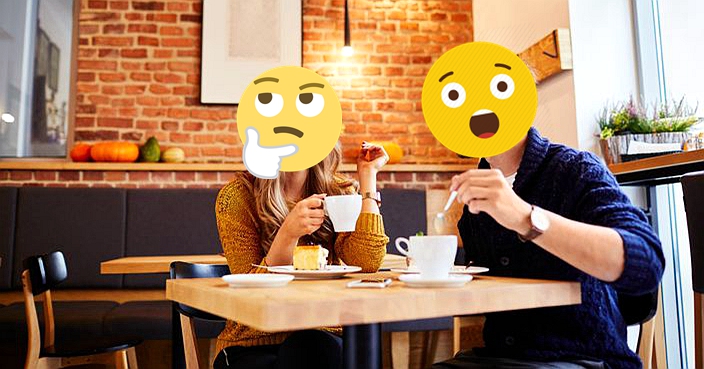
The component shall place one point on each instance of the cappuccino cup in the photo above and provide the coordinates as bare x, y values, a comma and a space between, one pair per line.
343, 211
432, 256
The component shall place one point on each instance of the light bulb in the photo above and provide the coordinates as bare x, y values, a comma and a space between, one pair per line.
347, 51
7, 118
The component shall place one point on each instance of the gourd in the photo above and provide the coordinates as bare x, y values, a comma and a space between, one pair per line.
121, 152
150, 151
173, 155
394, 151
81, 152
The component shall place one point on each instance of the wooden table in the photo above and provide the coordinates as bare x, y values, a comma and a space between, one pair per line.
161, 264
311, 304
659, 169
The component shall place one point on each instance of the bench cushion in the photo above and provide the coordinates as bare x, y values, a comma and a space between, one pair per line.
151, 320
404, 214
169, 222
87, 224
8, 205
72, 319
435, 324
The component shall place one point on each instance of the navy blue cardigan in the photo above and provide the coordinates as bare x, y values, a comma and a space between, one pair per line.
577, 186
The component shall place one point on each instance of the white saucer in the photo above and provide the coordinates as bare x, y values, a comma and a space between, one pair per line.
330, 271
257, 280
414, 280
457, 269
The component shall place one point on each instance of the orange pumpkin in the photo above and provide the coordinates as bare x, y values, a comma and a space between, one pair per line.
81, 152
122, 152
393, 149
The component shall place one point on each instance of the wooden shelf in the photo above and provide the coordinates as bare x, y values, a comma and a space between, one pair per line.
665, 167
204, 167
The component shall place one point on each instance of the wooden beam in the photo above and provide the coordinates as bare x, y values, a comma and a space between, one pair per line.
549, 56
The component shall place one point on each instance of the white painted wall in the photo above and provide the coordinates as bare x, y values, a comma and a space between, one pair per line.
604, 58
518, 24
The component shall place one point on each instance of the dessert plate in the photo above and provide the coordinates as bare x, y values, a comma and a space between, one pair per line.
457, 269
257, 280
453, 281
330, 271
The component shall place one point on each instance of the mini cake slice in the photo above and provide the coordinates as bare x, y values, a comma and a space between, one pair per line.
310, 257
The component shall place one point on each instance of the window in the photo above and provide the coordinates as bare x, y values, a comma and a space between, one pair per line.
37, 40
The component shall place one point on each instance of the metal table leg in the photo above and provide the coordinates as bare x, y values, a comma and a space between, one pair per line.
361, 346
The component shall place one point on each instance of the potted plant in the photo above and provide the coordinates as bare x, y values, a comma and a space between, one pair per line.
622, 123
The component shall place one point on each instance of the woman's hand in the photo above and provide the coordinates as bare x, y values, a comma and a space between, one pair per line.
487, 190
370, 159
305, 218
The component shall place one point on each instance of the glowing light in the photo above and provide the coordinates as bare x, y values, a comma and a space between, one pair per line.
347, 51
7, 118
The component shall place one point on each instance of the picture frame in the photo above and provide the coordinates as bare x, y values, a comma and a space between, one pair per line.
242, 39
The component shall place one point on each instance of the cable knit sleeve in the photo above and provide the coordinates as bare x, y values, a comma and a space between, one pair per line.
601, 202
238, 227
366, 246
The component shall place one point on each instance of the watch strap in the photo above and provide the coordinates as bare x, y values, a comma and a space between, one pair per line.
376, 196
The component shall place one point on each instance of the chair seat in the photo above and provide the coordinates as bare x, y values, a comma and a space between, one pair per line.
93, 346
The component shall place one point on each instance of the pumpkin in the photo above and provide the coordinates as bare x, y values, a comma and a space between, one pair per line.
394, 151
81, 152
122, 152
173, 155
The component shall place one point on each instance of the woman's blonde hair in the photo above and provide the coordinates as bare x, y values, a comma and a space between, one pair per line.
273, 207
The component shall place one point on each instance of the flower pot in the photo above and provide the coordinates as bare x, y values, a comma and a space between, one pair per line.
613, 147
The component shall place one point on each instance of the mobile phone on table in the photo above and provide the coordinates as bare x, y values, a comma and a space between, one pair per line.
370, 283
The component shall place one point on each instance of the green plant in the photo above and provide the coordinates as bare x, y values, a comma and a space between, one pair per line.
633, 117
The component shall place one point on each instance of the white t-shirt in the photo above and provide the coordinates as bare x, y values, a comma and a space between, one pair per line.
510, 179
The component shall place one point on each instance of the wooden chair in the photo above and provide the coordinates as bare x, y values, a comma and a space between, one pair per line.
186, 313
693, 191
40, 274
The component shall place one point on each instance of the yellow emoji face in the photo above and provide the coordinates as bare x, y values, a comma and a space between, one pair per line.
288, 118
479, 99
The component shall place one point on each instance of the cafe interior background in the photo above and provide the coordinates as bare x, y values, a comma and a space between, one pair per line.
87, 71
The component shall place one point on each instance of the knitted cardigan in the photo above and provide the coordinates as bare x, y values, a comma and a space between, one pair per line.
575, 185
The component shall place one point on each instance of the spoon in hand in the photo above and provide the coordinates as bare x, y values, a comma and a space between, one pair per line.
440, 222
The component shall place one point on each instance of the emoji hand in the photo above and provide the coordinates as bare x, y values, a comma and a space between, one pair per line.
486, 190
264, 162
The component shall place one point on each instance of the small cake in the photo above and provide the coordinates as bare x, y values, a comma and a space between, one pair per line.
310, 257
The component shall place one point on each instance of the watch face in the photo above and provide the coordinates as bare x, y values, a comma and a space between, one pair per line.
539, 219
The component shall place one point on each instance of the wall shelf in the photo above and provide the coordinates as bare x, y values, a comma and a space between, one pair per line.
204, 167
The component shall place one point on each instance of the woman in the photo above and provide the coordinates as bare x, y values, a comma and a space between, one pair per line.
261, 221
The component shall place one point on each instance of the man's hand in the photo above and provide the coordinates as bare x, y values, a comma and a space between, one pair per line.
264, 162
487, 190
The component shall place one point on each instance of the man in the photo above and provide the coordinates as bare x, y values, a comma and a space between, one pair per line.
542, 210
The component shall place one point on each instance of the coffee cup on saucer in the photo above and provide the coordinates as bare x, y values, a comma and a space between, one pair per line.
432, 256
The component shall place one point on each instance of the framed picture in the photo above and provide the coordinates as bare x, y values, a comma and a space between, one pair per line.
41, 52
53, 80
242, 39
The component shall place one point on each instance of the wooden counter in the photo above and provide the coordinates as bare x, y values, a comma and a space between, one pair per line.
660, 169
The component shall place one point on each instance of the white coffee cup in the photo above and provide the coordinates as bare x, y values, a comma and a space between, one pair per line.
433, 256
343, 211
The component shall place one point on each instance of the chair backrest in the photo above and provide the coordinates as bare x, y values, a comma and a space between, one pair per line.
693, 190
45, 271
638, 309
182, 270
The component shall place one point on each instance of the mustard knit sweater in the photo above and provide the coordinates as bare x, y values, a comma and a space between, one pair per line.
238, 227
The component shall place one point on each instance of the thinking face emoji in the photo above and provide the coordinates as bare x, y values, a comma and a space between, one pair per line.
289, 119
479, 99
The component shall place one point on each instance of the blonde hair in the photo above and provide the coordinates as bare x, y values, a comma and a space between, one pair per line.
273, 207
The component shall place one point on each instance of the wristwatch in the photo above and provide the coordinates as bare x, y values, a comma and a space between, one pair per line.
539, 223
376, 196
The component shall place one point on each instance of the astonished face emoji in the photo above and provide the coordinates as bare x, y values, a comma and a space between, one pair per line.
289, 119
479, 99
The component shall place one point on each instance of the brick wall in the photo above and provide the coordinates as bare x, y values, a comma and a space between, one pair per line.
139, 72
139, 76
